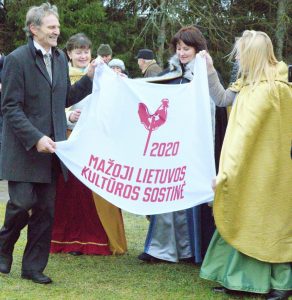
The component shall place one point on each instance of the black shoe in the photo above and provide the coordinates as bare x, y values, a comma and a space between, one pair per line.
224, 290
5, 263
188, 260
278, 295
37, 277
148, 258
221, 289
75, 253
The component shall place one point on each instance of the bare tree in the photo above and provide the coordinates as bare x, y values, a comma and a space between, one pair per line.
281, 29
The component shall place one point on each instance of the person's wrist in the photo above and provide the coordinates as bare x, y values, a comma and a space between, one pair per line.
90, 77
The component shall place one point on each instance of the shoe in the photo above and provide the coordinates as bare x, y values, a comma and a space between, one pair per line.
5, 263
224, 290
278, 295
221, 289
188, 260
148, 258
75, 253
37, 277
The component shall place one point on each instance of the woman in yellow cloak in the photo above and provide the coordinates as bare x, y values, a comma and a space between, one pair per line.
252, 249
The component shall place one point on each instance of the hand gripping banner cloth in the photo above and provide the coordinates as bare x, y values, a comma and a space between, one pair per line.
145, 147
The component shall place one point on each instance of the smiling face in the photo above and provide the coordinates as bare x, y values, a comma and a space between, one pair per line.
80, 57
184, 52
46, 35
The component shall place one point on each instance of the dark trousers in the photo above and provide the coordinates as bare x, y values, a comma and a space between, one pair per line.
30, 204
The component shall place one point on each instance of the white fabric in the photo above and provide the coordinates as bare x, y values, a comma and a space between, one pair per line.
109, 140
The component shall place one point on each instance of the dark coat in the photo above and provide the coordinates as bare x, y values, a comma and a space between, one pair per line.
1, 64
1, 117
32, 107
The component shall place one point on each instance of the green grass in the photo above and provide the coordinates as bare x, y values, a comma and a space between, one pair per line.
109, 277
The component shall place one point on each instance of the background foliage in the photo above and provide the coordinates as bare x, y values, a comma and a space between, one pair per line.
130, 25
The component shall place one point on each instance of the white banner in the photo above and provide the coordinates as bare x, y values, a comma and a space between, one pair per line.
145, 147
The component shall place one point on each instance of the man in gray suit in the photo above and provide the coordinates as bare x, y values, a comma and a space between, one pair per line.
35, 90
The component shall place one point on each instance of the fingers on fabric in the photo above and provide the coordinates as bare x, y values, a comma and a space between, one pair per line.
46, 145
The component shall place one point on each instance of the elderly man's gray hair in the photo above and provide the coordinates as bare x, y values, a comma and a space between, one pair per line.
36, 13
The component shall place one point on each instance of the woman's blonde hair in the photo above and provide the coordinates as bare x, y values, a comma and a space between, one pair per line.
257, 61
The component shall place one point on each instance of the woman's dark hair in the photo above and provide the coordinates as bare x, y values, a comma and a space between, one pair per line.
191, 36
77, 41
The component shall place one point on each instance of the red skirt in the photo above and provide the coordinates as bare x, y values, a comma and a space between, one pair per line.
77, 226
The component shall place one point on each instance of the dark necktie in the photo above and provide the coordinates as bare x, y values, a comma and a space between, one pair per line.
48, 63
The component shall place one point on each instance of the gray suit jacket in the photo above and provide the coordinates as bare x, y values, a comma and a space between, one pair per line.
32, 107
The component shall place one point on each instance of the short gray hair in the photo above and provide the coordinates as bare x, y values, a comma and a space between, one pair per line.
36, 14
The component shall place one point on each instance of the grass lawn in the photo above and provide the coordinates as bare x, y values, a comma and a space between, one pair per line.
110, 277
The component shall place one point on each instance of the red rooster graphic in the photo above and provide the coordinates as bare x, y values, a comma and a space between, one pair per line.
152, 122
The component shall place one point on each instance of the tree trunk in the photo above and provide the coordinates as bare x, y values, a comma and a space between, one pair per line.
281, 27
161, 37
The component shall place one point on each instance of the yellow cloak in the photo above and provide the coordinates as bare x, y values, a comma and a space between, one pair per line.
253, 199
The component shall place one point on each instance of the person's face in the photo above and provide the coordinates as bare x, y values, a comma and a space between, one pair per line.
80, 57
117, 69
47, 33
106, 58
184, 52
141, 63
